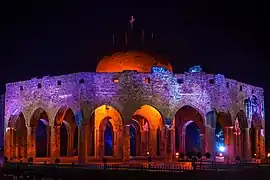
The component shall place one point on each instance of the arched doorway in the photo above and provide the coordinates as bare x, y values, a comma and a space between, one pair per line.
192, 138
41, 139
67, 133
220, 142
18, 144
190, 130
63, 140
108, 125
108, 140
39, 126
149, 120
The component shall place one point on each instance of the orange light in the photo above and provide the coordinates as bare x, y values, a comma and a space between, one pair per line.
177, 153
255, 154
268, 154
147, 153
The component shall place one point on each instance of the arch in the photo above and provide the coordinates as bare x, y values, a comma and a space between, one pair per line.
65, 119
39, 124
192, 139
135, 138
149, 119
102, 116
183, 118
242, 120
19, 138
224, 119
104, 112
150, 113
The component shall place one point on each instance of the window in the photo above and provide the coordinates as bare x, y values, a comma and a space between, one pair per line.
147, 80
180, 81
81, 81
241, 88
21, 88
227, 85
59, 83
211, 81
39, 85
115, 80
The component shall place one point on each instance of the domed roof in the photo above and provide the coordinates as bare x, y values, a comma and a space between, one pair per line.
131, 60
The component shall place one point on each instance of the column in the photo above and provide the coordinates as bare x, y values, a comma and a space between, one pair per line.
7, 145
57, 140
247, 147
70, 144
228, 141
210, 140
257, 140
83, 140
100, 144
237, 141
126, 144
169, 145
162, 142
153, 140
48, 128
53, 143
182, 137
96, 143
115, 149
202, 142
29, 142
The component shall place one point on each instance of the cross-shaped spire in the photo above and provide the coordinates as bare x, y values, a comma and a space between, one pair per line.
132, 19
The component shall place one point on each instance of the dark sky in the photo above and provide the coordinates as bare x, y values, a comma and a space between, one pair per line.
43, 37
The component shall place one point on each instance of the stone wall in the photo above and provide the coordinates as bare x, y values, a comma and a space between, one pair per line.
127, 91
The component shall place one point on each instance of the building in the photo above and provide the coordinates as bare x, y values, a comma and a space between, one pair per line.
2, 109
133, 106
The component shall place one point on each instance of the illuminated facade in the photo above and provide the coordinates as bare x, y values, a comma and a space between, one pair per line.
132, 107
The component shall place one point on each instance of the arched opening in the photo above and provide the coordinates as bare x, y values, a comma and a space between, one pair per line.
220, 142
75, 144
63, 140
189, 126
68, 135
40, 126
41, 139
108, 140
109, 131
149, 119
192, 138
19, 136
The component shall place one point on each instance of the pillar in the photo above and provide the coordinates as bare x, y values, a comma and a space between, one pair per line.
97, 142
153, 140
70, 144
202, 143
162, 142
228, 141
169, 144
8, 145
100, 144
29, 142
126, 144
210, 140
247, 145
53, 142
237, 141
115, 149
83, 140
182, 144
257, 140
57, 140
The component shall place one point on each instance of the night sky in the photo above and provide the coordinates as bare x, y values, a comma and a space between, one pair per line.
49, 38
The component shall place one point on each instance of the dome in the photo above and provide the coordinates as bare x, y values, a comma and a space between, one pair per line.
131, 60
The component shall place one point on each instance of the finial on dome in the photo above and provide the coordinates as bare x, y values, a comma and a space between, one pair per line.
132, 19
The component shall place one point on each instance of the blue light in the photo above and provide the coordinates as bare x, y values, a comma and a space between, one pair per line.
159, 69
221, 148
